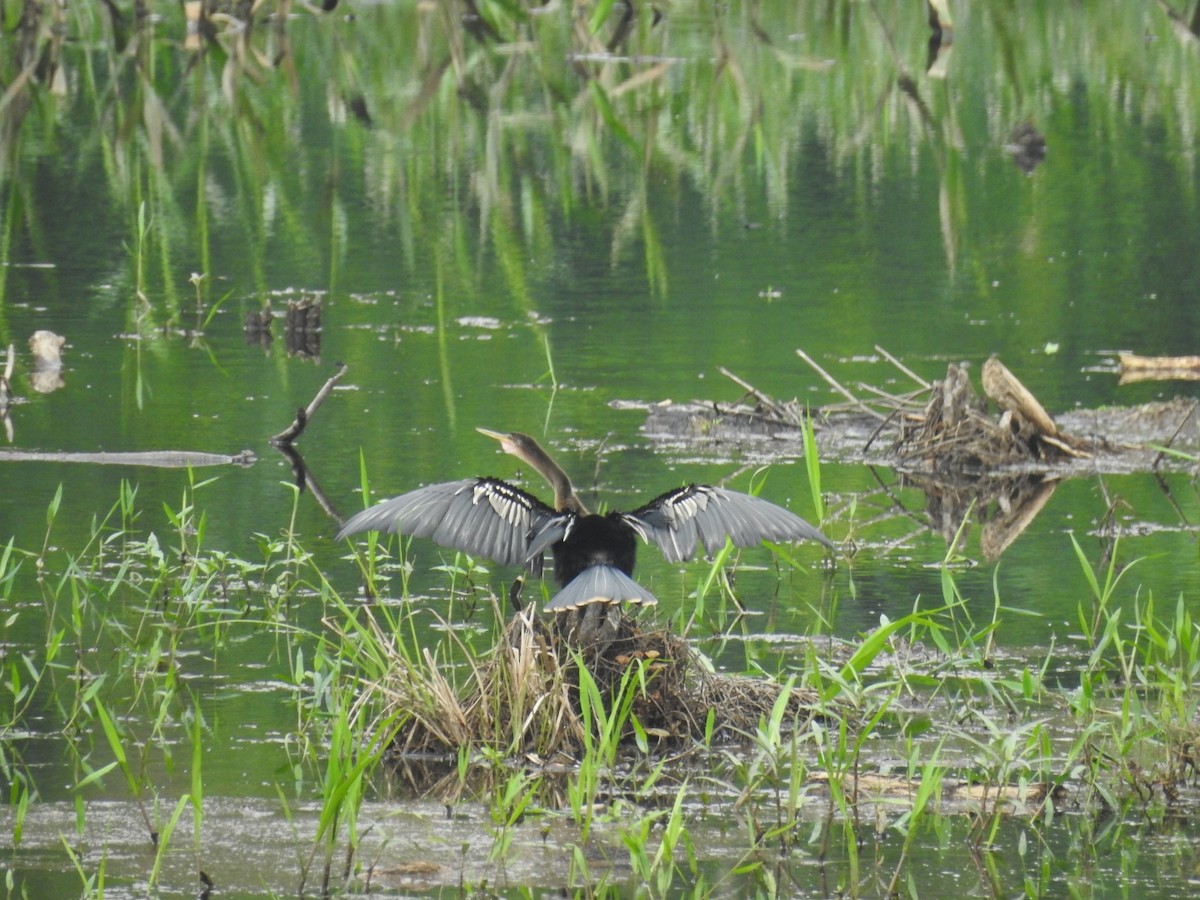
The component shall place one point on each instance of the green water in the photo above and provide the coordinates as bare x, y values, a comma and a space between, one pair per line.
498, 240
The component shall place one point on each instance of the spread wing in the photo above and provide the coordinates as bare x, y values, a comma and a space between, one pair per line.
485, 517
679, 520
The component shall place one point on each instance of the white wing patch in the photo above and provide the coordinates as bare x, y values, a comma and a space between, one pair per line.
512, 507
484, 517
681, 520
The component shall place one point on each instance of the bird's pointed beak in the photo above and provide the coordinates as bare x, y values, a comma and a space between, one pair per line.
506, 443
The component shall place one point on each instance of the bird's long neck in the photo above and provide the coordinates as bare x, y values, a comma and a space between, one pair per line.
565, 499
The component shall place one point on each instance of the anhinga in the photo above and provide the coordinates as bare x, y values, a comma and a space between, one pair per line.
593, 554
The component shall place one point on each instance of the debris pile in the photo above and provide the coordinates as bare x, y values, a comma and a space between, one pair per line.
953, 433
529, 697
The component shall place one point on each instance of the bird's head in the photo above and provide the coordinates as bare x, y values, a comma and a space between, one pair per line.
514, 443
526, 449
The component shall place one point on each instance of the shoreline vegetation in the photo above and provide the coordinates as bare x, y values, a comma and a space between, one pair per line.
925, 719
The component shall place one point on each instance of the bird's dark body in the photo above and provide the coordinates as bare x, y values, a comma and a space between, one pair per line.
594, 540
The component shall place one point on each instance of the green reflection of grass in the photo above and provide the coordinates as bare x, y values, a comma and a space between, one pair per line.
501, 138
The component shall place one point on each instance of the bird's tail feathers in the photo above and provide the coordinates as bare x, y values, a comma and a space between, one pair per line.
600, 584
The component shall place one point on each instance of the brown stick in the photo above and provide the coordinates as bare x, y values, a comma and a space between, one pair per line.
903, 368
832, 382
765, 399
896, 402
1186, 419
286, 437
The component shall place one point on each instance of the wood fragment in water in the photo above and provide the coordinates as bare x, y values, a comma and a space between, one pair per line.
304, 414
1158, 368
1007, 390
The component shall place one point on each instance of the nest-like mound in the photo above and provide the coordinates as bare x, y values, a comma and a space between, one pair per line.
538, 694
954, 433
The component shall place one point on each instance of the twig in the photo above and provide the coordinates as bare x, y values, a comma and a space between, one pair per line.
898, 402
1166, 492
886, 490
903, 368
879, 430
1171, 440
305, 480
286, 437
833, 383
778, 411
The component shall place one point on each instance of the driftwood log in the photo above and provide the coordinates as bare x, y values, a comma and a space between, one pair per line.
1003, 387
163, 459
1012, 396
1158, 368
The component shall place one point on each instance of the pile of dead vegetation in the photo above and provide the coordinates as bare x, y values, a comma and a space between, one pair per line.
939, 427
954, 431
536, 694
991, 459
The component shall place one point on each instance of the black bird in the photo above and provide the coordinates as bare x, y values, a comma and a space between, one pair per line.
594, 554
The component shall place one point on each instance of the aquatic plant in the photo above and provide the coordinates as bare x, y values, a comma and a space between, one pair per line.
986, 740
